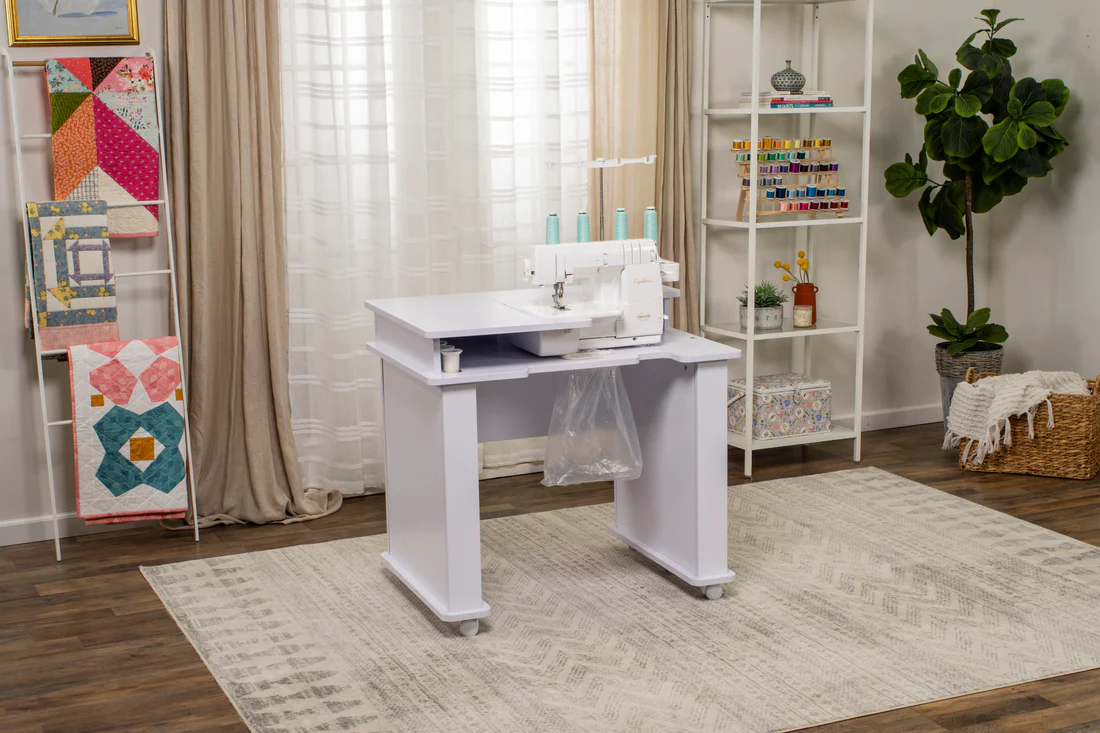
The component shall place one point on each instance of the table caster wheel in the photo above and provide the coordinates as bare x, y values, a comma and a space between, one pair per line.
713, 592
469, 627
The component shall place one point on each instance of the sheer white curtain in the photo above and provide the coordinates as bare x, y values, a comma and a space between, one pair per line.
417, 134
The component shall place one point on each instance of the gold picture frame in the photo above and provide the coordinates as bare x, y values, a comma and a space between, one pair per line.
18, 36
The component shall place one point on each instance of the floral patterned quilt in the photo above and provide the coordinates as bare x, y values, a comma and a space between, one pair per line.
106, 142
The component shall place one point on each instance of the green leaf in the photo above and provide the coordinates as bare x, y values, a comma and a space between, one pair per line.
1051, 142
979, 84
967, 105
914, 79
933, 142
955, 78
935, 99
903, 179
927, 62
1000, 141
1002, 87
969, 56
993, 333
1015, 108
1040, 114
940, 333
991, 169
994, 65
1003, 23
948, 206
1000, 47
977, 319
950, 323
1031, 163
938, 320
922, 161
990, 15
1028, 91
962, 136
928, 215
961, 346
1057, 94
1026, 138
986, 196
1012, 182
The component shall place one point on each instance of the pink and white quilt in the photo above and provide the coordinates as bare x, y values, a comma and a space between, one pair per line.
128, 430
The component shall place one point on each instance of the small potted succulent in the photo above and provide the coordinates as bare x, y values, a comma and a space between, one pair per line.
768, 299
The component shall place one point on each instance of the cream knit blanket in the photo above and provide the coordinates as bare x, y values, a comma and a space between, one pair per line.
980, 411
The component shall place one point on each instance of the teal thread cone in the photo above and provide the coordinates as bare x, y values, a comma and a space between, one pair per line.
553, 230
584, 227
650, 226
620, 225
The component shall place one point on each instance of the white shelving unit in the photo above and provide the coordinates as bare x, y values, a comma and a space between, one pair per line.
805, 228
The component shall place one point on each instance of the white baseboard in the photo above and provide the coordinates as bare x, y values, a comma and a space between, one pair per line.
38, 529
898, 417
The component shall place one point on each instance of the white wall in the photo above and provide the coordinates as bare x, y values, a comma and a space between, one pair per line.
1036, 254
142, 304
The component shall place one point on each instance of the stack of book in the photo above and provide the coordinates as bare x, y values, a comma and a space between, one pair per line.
786, 100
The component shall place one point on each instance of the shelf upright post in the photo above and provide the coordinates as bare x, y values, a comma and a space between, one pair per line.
861, 295
704, 154
754, 198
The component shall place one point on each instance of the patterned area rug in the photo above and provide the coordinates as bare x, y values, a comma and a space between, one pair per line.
856, 592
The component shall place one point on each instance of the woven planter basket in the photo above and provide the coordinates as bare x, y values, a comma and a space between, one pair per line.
1071, 449
988, 360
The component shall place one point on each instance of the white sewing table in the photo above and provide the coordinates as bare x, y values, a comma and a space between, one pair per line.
674, 514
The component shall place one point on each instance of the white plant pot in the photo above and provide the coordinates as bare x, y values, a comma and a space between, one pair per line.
767, 319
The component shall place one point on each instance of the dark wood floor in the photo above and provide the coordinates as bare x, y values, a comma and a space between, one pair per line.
86, 646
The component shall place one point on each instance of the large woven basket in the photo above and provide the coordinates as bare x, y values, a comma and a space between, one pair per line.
1071, 449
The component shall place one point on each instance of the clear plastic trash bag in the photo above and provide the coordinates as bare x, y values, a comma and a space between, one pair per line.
592, 432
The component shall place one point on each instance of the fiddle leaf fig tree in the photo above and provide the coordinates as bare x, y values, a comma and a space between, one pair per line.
991, 131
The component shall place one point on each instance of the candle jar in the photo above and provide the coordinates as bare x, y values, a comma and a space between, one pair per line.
803, 316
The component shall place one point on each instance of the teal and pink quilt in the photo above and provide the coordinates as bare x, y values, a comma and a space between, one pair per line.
128, 430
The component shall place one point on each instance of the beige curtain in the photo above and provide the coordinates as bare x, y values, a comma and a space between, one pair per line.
674, 210
622, 50
225, 153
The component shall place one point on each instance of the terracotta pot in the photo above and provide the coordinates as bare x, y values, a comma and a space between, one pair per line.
806, 294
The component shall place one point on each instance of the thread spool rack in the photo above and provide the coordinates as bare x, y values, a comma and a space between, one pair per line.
775, 155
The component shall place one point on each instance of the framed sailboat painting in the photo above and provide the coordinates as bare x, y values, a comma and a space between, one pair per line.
72, 22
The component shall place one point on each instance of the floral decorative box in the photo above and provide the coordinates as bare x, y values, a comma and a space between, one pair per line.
783, 404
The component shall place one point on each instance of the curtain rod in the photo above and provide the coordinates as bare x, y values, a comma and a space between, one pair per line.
28, 63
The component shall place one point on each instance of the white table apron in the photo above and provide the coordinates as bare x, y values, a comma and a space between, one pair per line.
674, 514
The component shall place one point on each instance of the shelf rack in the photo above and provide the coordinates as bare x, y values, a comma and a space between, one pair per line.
805, 228
10, 65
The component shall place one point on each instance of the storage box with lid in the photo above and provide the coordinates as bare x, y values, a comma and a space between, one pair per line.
783, 405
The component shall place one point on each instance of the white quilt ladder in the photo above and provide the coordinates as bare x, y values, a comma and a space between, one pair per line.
10, 66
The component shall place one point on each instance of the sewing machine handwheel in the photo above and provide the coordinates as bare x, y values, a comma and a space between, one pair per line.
469, 627
713, 592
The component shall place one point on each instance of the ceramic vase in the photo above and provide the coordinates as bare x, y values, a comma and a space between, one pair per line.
806, 294
788, 80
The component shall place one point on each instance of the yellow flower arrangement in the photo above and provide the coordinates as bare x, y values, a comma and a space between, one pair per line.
801, 273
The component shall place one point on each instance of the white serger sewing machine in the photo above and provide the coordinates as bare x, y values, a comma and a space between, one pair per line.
617, 284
